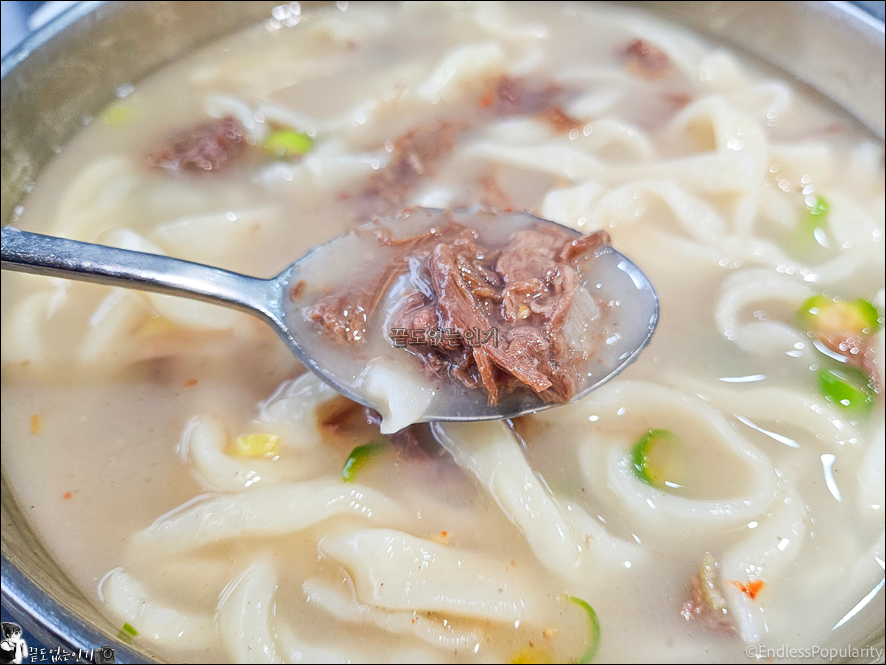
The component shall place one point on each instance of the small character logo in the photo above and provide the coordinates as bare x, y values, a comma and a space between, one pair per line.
13, 648
105, 655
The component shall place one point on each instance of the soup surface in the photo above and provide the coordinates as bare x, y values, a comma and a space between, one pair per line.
721, 498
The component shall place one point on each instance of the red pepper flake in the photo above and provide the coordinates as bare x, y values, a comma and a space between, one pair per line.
441, 538
68, 495
189, 383
751, 589
486, 100
35, 424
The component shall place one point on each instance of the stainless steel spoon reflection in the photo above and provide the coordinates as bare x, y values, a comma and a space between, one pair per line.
616, 278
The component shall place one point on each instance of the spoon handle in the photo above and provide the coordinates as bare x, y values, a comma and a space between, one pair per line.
59, 257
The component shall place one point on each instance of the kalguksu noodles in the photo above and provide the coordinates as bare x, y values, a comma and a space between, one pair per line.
723, 496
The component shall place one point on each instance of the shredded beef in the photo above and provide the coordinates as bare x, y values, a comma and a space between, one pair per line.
699, 609
415, 155
678, 99
414, 442
297, 290
647, 60
495, 314
507, 96
559, 120
418, 152
461, 311
207, 147
345, 315
582, 246
346, 421
492, 195
707, 606
859, 353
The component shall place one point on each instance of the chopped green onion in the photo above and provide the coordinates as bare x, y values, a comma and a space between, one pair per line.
288, 144
126, 633
594, 632
657, 458
810, 236
358, 458
850, 388
256, 445
823, 315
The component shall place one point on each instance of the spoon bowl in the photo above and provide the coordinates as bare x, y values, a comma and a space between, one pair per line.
376, 374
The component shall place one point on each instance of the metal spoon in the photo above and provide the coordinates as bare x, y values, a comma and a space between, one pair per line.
616, 281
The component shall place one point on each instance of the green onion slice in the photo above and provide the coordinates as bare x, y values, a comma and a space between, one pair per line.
848, 388
593, 633
823, 315
358, 458
810, 236
657, 457
288, 144
126, 633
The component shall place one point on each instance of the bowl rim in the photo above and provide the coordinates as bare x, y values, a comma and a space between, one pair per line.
46, 32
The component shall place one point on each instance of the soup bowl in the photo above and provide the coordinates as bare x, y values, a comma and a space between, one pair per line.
70, 69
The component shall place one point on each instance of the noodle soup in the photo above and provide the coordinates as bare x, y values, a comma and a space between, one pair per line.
722, 496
